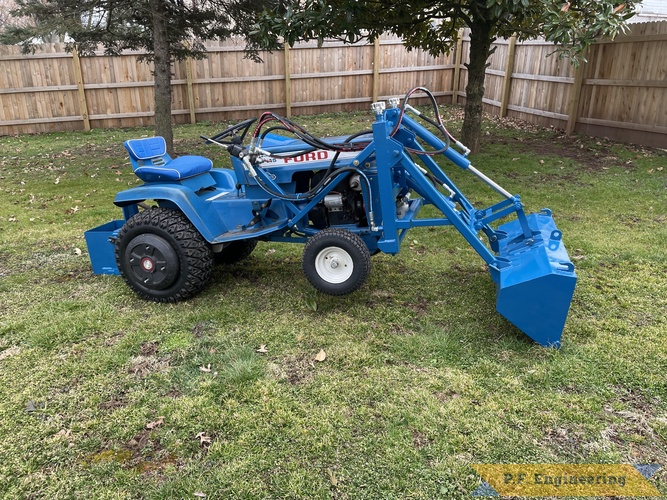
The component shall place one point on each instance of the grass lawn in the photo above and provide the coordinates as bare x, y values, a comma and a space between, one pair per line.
105, 395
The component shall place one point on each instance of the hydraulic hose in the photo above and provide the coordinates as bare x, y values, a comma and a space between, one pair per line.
321, 184
327, 175
438, 125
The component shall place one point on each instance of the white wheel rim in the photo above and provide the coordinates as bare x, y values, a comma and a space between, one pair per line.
334, 265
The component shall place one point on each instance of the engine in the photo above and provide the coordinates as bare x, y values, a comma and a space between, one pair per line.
343, 205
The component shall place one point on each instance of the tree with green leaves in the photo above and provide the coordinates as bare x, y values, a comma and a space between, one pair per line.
166, 30
433, 25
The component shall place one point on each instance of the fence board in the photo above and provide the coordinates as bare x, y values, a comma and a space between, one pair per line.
620, 94
628, 86
624, 82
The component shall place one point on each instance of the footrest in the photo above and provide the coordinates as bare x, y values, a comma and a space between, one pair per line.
253, 232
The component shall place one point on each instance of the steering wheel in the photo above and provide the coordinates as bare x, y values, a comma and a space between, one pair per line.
244, 125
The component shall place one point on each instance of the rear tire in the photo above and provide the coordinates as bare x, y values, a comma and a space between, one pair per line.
162, 256
336, 261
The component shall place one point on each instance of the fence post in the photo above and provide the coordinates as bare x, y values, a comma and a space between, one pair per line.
376, 69
82, 92
575, 95
288, 84
457, 67
191, 95
509, 69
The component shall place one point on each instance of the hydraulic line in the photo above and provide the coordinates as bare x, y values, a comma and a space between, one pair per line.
302, 134
421, 115
327, 175
325, 180
438, 125
293, 155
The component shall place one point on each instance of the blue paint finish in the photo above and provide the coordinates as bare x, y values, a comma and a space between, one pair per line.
151, 163
527, 259
101, 249
535, 291
193, 204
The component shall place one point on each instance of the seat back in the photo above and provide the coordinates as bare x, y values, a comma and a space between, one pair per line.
144, 149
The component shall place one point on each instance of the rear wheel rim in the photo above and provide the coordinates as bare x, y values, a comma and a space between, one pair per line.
153, 262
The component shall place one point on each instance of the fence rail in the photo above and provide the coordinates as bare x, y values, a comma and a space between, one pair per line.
620, 92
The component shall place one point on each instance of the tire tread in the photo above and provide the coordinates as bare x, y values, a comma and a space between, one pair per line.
195, 248
337, 237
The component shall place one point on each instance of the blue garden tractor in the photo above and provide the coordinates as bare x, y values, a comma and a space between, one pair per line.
344, 198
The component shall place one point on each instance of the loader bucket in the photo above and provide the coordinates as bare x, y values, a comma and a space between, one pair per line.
534, 292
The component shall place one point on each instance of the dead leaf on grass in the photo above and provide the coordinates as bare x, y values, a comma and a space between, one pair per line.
11, 351
203, 438
262, 349
205, 368
158, 422
332, 477
62, 433
321, 356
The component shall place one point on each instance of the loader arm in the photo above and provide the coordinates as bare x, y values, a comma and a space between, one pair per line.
534, 276
526, 258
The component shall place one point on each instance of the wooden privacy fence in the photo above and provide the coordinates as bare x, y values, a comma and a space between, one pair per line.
619, 93
53, 90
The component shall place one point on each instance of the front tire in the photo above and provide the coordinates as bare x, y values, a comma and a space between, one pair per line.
336, 261
162, 256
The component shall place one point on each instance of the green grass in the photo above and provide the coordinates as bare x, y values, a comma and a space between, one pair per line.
422, 377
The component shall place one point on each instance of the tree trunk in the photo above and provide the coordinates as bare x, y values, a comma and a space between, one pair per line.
162, 74
480, 46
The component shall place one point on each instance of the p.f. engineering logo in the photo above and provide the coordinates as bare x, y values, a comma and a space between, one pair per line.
560, 480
